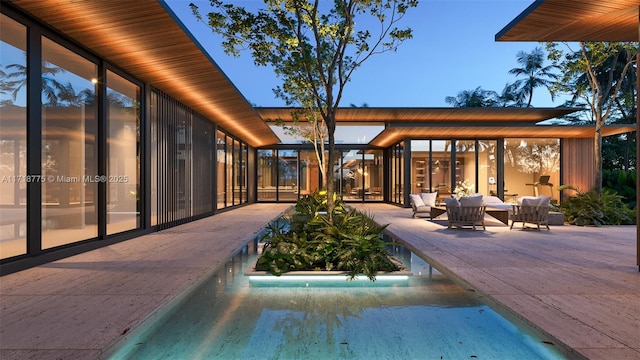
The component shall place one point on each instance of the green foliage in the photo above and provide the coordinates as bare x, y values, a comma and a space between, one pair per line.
314, 47
623, 183
591, 208
307, 240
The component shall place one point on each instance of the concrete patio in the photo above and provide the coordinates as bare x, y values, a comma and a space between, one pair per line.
579, 285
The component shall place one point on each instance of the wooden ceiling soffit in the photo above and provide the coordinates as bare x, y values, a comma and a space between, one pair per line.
146, 39
422, 115
575, 20
393, 134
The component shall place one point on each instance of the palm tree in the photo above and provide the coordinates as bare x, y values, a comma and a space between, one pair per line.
473, 98
511, 97
13, 82
536, 74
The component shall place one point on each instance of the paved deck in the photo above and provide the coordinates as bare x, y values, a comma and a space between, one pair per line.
580, 285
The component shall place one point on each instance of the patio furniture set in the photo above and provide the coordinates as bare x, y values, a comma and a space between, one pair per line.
469, 211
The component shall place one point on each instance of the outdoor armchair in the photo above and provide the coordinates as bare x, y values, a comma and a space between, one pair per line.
469, 211
422, 203
533, 211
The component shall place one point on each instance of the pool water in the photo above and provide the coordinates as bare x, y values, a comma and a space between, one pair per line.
430, 317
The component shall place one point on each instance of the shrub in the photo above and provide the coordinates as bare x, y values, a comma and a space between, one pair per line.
306, 240
589, 208
623, 183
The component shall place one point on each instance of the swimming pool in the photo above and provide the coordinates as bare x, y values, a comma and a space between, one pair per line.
430, 317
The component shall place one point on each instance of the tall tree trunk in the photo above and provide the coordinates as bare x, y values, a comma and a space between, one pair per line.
331, 126
597, 149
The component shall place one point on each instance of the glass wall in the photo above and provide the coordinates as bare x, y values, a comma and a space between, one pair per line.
464, 166
13, 138
374, 163
396, 182
69, 149
420, 172
287, 175
442, 169
221, 178
228, 170
267, 174
532, 167
90, 173
361, 175
487, 182
123, 154
232, 176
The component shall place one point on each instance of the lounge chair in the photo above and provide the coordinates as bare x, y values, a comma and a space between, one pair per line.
532, 210
422, 203
469, 211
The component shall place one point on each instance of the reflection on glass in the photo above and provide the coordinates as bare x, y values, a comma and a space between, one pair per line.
229, 170
372, 171
420, 176
69, 154
13, 138
123, 154
441, 168
221, 169
465, 163
309, 172
287, 175
238, 174
397, 173
267, 175
351, 177
531, 167
487, 167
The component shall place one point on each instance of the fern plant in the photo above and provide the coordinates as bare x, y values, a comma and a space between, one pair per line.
590, 208
307, 240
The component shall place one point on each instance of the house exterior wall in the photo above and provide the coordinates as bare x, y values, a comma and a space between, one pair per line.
120, 157
577, 164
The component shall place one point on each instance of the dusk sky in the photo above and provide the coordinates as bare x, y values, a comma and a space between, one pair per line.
453, 49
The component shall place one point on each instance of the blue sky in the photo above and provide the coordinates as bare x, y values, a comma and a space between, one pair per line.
453, 49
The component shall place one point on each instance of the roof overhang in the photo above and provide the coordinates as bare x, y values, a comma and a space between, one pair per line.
147, 40
402, 123
398, 132
575, 20
449, 115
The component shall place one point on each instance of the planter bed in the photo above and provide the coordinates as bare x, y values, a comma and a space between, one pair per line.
322, 278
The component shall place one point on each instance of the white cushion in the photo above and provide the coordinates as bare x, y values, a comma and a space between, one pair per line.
451, 202
417, 200
545, 201
429, 199
531, 201
471, 201
521, 199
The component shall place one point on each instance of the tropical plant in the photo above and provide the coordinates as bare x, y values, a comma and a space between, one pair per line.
314, 47
306, 240
623, 183
593, 208
595, 73
536, 74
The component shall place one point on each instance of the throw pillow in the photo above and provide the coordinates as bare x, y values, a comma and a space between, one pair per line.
451, 202
417, 200
530, 201
429, 199
545, 201
521, 199
471, 201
